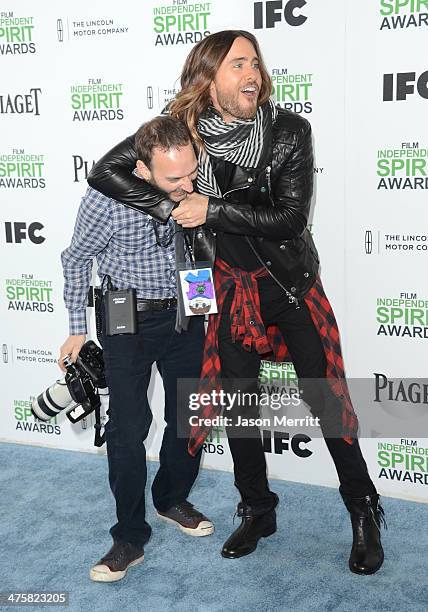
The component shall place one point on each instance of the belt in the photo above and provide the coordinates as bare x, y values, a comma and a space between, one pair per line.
161, 304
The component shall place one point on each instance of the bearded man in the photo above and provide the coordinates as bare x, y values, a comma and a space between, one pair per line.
250, 218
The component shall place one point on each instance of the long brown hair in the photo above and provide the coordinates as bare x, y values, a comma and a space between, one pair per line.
199, 71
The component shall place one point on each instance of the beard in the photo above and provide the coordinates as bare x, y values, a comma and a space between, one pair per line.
177, 195
230, 104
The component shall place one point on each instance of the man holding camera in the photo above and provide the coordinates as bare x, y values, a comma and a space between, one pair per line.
136, 251
255, 187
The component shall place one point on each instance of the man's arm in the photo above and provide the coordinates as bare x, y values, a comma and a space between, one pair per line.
291, 195
112, 176
91, 234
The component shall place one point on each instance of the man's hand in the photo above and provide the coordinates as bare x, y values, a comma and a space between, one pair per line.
71, 347
192, 211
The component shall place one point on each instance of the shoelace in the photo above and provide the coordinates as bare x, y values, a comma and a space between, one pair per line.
116, 555
187, 510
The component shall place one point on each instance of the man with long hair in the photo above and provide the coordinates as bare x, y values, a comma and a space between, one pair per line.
250, 216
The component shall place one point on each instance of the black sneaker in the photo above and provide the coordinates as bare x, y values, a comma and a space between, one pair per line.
114, 565
188, 519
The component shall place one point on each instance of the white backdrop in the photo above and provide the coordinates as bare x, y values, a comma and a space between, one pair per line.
328, 60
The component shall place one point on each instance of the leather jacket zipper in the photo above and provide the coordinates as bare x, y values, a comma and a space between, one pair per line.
237, 189
291, 298
267, 172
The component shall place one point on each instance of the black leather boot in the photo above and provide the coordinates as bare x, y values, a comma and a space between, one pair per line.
366, 517
257, 522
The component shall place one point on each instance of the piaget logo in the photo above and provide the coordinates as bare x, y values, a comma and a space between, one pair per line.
25, 421
401, 14
81, 168
181, 23
404, 462
406, 316
28, 293
20, 170
292, 91
21, 103
97, 101
403, 168
16, 34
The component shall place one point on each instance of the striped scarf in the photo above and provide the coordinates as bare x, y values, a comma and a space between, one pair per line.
240, 142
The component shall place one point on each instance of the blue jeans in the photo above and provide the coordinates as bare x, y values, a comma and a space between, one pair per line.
128, 363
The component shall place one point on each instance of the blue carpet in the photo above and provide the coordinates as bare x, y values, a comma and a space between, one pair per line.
56, 508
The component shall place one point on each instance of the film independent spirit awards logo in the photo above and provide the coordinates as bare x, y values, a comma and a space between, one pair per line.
16, 34
403, 14
21, 170
292, 91
181, 22
29, 294
97, 100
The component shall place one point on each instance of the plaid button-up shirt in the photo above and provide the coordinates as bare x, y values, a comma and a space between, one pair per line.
124, 243
247, 327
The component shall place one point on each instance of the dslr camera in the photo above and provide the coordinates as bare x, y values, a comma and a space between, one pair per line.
77, 394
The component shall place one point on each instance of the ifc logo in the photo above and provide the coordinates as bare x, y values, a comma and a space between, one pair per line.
17, 231
404, 85
276, 10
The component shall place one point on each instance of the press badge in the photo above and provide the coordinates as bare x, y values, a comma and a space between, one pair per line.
196, 287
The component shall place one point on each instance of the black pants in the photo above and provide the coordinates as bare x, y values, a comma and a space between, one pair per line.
309, 361
128, 362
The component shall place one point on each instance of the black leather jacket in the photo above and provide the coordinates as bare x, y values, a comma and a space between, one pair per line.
270, 206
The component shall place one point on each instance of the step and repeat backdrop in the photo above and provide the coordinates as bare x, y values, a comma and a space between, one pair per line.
78, 77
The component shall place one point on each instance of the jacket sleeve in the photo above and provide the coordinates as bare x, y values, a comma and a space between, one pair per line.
291, 196
112, 176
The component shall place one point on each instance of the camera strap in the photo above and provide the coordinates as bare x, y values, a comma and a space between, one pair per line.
98, 439
78, 413
98, 302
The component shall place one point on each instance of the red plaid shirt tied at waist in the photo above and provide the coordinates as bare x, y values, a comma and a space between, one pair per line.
247, 327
